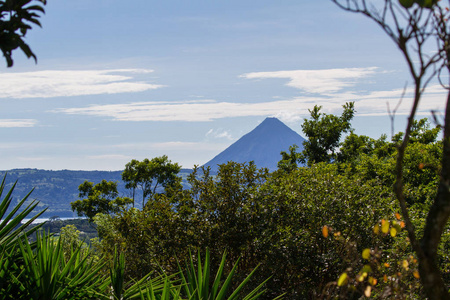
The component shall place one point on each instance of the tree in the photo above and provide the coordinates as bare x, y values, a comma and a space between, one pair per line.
289, 160
148, 175
99, 198
419, 29
324, 132
16, 18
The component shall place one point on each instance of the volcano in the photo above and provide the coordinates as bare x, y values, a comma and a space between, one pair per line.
262, 145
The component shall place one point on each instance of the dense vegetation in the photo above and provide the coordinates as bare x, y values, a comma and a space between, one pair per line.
275, 220
65, 267
332, 228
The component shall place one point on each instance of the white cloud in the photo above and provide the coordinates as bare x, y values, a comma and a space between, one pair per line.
10, 123
330, 88
371, 104
51, 83
317, 81
288, 117
180, 111
219, 133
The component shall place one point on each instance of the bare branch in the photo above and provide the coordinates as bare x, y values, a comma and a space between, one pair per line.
392, 114
412, 30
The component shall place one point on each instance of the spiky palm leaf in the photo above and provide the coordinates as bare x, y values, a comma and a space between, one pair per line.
47, 275
148, 287
197, 286
9, 224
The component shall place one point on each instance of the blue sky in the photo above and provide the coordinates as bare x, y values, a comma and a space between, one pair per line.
118, 80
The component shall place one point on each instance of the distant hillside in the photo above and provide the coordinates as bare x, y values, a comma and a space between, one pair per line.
56, 189
262, 145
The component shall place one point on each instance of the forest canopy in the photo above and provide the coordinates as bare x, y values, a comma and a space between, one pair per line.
304, 225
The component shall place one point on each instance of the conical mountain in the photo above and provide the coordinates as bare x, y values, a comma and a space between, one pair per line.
262, 145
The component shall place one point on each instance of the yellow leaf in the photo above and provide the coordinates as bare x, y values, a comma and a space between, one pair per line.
376, 229
393, 232
366, 254
405, 264
343, 279
416, 274
368, 291
325, 231
384, 226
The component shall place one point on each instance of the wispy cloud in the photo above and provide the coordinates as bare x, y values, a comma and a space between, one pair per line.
317, 81
287, 117
374, 103
328, 88
52, 83
11, 123
179, 111
219, 134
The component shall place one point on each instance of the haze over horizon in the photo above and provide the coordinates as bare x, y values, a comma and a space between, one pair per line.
117, 80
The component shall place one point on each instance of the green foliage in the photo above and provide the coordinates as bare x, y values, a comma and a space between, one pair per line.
59, 268
273, 224
271, 220
420, 133
274, 220
70, 237
323, 132
48, 274
197, 283
148, 175
289, 161
85, 230
10, 225
16, 18
422, 3
149, 287
100, 198
356, 145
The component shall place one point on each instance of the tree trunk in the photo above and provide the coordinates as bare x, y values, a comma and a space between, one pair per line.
437, 218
